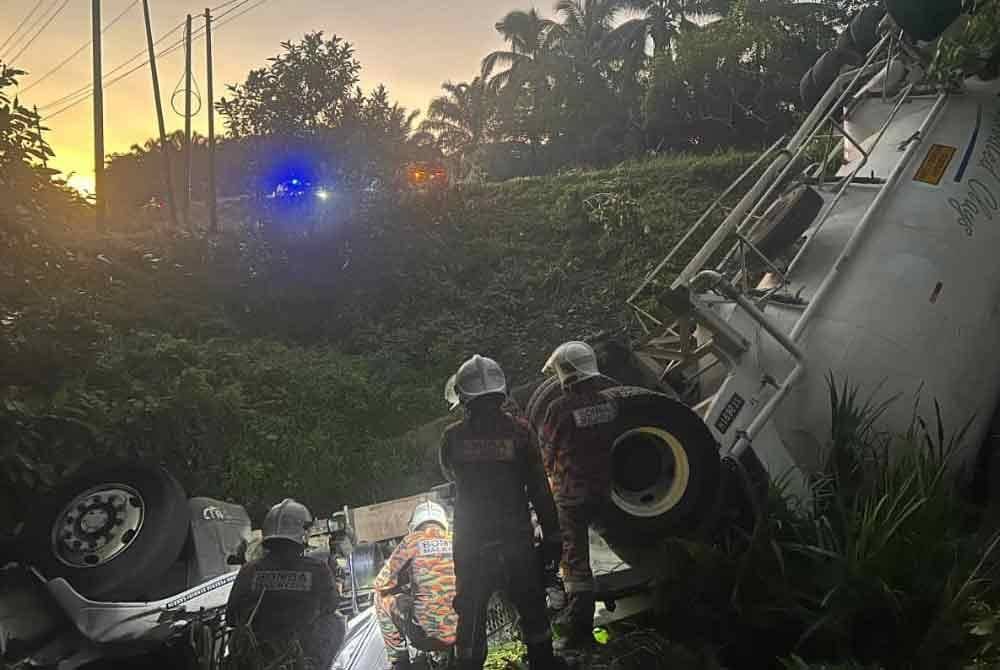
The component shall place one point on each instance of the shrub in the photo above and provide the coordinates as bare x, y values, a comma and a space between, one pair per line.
888, 566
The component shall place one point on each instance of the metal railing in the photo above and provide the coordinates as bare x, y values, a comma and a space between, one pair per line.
784, 156
730, 275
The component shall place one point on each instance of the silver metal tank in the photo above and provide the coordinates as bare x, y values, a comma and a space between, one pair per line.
894, 289
913, 309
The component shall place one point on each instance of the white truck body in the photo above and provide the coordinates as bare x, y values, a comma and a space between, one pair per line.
895, 288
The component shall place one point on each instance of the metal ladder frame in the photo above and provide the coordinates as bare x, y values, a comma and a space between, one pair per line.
738, 222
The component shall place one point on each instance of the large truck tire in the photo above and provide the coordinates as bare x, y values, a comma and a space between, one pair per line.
924, 20
665, 470
111, 533
818, 79
863, 29
785, 221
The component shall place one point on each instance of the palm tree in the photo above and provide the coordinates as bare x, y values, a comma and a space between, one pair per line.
524, 88
660, 20
584, 73
585, 27
462, 119
531, 39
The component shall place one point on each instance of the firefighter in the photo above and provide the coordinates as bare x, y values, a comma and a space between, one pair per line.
497, 470
576, 451
287, 600
416, 588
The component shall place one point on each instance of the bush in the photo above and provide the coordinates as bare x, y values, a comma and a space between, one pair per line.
248, 421
888, 566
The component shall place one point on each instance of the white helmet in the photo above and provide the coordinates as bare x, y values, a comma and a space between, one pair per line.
428, 512
477, 376
288, 520
572, 362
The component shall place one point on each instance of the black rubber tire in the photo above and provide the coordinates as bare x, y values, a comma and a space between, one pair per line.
823, 73
924, 20
807, 92
829, 66
864, 29
785, 222
139, 566
643, 408
539, 402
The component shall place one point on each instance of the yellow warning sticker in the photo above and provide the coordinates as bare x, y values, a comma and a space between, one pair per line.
935, 165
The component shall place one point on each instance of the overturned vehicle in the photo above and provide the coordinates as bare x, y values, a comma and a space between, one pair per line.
118, 563
862, 248
115, 563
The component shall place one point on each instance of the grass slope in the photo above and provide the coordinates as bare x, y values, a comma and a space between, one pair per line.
258, 367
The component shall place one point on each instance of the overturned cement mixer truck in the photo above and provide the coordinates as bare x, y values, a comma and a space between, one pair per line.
871, 260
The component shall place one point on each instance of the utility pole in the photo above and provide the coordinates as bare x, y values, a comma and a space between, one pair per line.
164, 147
98, 118
213, 215
187, 124
41, 142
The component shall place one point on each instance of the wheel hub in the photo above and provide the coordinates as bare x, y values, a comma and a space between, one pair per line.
97, 525
650, 471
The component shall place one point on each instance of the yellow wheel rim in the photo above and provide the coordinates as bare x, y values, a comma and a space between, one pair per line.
664, 494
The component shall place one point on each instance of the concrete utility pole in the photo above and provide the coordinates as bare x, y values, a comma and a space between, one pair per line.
98, 118
213, 215
187, 124
164, 147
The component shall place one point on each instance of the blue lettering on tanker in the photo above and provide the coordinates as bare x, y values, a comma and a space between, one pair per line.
972, 145
980, 199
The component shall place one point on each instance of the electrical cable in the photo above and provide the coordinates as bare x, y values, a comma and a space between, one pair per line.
88, 87
40, 30
76, 53
20, 26
166, 51
181, 90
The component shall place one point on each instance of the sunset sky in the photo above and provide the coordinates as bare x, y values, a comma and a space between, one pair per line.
411, 46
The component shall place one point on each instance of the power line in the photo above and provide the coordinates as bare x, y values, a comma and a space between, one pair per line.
165, 52
248, 9
21, 25
225, 4
40, 30
87, 88
79, 51
47, 6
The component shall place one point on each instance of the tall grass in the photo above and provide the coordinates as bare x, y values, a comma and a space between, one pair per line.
887, 568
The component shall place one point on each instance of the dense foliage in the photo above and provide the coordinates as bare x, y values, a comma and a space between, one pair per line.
890, 567
302, 116
259, 365
598, 82
604, 80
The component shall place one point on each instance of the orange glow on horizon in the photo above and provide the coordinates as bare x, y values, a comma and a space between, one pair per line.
384, 35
